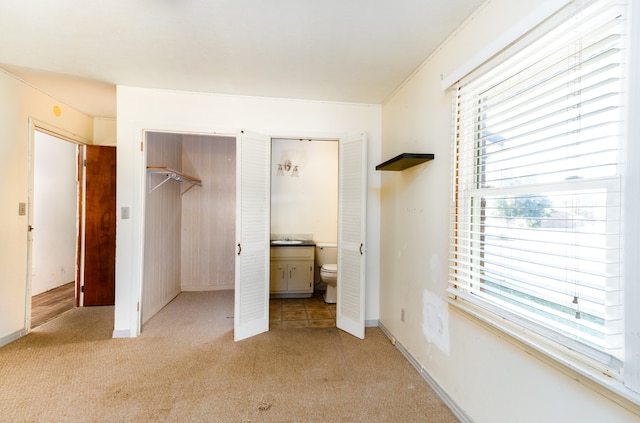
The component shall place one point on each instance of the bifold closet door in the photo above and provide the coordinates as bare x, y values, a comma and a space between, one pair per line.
352, 223
253, 158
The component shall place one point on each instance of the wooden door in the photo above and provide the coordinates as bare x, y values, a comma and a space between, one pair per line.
99, 225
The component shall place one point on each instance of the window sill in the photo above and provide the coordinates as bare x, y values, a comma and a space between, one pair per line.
553, 354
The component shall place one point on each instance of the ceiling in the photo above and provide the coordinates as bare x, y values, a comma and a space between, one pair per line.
333, 50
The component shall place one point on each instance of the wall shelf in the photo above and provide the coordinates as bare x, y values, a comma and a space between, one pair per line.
404, 161
175, 175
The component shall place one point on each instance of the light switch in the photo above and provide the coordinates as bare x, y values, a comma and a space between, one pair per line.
22, 209
124, 212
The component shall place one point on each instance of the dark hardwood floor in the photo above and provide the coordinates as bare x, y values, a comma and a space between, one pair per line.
53, 303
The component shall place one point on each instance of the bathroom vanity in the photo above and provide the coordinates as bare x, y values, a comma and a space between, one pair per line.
291, 274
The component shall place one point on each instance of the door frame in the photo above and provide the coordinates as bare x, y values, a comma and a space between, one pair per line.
350, 324
139, 288
39, 126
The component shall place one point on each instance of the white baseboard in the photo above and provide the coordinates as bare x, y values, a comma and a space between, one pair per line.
203, 288
122, 333
371, 323
444, 396
12, 337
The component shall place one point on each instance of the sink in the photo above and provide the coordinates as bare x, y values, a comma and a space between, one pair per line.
286, 242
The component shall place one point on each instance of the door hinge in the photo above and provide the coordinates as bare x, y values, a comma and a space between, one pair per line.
84, 162
82, 288
141, 145
138, 306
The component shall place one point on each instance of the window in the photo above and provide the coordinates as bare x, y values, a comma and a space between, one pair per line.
537, 204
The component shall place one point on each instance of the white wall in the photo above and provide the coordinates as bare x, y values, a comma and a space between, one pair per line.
140, 109
104, 131
18, 103
307, 204
54, 213
489, 378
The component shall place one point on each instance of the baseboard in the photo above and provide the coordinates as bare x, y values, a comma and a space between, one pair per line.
121, 333
371, 323
203, 288
444, 396
12, 337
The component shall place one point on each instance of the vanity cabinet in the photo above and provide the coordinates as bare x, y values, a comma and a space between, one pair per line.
291, 274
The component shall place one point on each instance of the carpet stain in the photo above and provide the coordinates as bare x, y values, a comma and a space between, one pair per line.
264, 406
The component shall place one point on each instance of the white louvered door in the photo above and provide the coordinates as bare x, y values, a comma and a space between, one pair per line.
351, 235
251, 311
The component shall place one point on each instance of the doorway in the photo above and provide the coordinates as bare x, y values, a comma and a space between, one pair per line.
55, 204
189, 228
304, 205
71, 255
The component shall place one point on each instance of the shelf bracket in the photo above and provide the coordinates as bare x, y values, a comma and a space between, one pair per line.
160, 184
171, 174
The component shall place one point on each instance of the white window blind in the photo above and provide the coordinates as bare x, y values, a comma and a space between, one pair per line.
536, 220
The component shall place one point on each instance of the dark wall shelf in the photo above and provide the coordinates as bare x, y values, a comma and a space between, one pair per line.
405, 160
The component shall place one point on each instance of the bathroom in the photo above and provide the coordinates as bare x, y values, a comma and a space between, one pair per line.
304, 197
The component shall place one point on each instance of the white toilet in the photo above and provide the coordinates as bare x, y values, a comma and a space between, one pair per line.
326, 260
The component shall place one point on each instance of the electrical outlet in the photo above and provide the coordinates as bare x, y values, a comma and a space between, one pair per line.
402, 315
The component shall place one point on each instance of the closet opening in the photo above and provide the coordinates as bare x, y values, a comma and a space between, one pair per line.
190, 217
215, 237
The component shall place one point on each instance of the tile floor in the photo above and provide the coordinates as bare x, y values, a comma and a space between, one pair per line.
290, 313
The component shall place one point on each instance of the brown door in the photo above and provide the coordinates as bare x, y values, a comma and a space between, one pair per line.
100, 225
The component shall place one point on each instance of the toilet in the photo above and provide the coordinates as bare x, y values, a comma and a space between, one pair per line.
327, 259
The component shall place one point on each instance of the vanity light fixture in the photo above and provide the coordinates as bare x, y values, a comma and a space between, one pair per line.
286, 167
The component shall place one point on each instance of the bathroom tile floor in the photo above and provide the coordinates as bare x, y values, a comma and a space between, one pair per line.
291, 313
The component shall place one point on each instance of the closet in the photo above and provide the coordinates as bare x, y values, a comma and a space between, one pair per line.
189, 216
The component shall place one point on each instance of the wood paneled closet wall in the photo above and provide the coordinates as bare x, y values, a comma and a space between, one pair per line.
190, 238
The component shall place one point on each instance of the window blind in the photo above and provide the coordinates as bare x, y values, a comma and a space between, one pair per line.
536, 221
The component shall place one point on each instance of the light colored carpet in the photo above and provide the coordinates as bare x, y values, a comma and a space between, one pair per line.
185, 367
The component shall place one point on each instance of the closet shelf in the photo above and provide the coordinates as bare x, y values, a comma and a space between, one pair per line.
404, 161
171, 174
